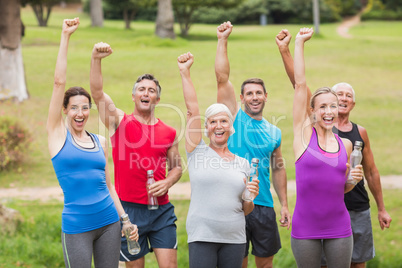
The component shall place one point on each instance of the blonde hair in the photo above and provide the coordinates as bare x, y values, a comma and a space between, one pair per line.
323, 90
215, 109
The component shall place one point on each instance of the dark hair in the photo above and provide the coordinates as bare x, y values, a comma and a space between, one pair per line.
253, 81
75, 91
148, 77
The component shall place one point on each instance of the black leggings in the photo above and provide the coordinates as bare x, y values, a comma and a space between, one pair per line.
212, 255
104, 243
338, 251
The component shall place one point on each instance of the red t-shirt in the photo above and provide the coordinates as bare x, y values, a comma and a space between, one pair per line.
137, 148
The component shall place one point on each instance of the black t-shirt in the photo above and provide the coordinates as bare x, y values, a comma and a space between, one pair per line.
357, 199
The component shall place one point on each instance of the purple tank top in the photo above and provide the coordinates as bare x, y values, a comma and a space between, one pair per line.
320, 211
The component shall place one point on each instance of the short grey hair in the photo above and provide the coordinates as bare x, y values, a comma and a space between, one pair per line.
148, 77
344, 84
215, 109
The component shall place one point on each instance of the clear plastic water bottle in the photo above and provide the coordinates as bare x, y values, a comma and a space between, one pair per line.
152, 200
247, 196
355, 159
132, 245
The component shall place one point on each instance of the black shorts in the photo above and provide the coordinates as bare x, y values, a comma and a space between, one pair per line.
156, 228
262, 231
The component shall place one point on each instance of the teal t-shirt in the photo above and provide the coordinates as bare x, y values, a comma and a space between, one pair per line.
256, 139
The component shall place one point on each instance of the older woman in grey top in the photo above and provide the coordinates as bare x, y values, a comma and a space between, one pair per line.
216, 217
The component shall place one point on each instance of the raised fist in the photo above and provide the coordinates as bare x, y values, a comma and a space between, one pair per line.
184, 61
70, 25
305, 34
224, 30
283, 38
101, 50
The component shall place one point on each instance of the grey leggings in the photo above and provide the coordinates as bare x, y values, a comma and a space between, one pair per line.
104, 243
307, 252
212, 255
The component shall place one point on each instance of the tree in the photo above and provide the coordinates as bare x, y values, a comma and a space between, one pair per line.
184, 10
12, 74
129, 8
96, 12
165, 20
41, 8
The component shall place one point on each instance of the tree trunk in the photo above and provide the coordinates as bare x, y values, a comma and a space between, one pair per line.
12, 74
39, 10
96, 13
126, 18
165, 20
184, 18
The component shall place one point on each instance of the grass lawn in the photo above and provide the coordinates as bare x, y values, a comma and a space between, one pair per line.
371, 62
37, 242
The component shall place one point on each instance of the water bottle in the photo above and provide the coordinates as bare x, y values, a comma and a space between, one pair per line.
355, 159
132, 245
247, 196
152, 200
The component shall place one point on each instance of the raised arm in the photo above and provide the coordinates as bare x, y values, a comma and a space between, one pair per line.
55, 124
301, 118
373, 180
226, 92
282, 40
109, 114
193, 128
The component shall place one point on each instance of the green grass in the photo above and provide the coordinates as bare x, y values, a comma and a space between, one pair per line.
370, 62
37, 240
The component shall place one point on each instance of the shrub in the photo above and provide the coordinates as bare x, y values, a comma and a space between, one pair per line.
14, 143
382, 15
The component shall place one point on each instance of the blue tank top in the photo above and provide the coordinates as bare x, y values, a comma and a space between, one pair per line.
81, 174
256, 138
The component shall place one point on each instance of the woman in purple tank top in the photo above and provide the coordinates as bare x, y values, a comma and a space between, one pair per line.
320, 218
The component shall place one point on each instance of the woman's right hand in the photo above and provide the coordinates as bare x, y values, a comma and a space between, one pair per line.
133, 234
70, 25
304, 34
101, 50
356, 173
184, 61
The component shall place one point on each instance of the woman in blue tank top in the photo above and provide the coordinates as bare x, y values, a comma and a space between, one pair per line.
90, 218
320, 219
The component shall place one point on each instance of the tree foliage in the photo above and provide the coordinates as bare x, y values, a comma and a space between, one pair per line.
383, 10
42, 9
184, 10
128, 8
278, 12
395, 5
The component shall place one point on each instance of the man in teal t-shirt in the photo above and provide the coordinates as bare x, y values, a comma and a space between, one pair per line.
255, 137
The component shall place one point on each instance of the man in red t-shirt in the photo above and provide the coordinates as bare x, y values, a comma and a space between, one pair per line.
141, 142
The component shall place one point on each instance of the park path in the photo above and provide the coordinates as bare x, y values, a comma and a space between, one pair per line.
347, 23
179, 191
